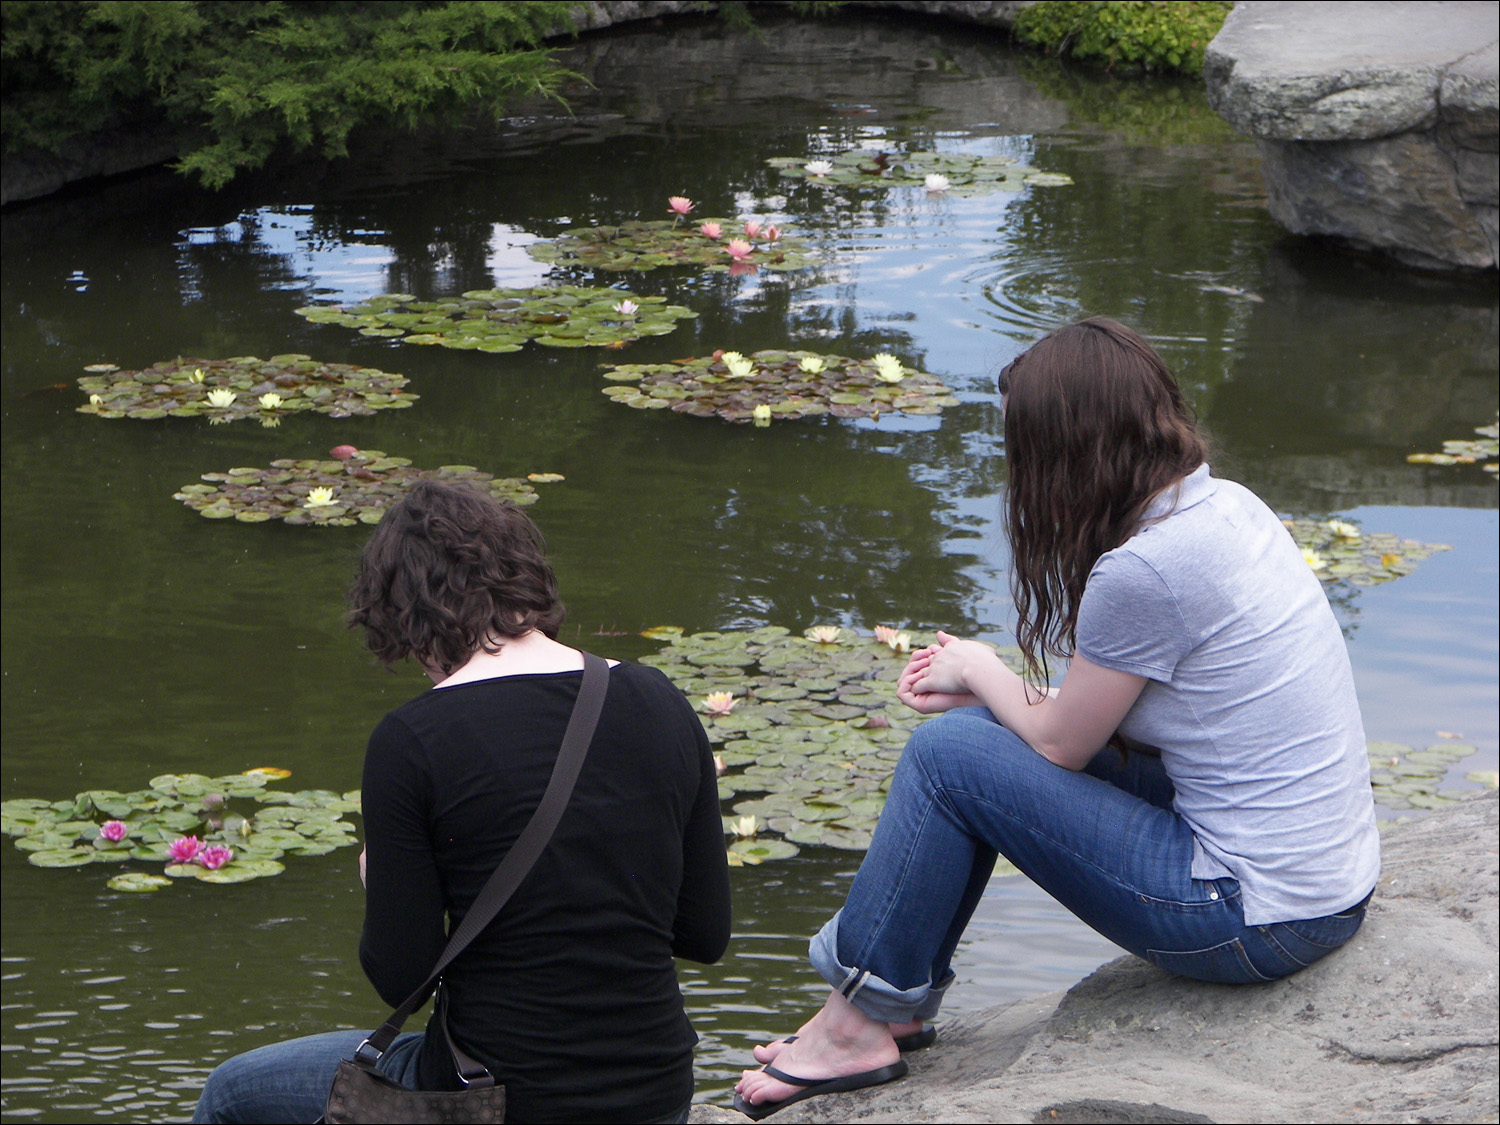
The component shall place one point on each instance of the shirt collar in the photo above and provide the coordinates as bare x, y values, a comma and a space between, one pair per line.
1191, 489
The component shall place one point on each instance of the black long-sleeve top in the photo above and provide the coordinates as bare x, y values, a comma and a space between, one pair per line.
570, 995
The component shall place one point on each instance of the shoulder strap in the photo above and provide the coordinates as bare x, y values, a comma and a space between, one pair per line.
519, 861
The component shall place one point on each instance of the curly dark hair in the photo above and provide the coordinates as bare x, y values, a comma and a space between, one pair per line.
1095, 426
451, 570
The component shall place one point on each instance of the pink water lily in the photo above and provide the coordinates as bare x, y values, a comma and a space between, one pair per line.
185, 849
711, 230
680, 204
114, 831
739, 249
773, 233
752, 229
216, 856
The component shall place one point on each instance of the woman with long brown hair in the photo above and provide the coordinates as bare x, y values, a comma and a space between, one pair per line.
1196, 789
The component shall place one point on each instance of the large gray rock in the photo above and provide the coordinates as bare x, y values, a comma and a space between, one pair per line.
1377, 122
1398, 1026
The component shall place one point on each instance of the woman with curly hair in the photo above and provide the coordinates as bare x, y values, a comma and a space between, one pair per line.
569, 997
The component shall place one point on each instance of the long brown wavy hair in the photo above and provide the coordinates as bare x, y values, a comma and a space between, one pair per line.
1095, 427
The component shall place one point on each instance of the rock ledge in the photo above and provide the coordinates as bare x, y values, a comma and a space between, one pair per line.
1378, 123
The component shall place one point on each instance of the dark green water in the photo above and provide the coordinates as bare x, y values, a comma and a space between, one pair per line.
140, 639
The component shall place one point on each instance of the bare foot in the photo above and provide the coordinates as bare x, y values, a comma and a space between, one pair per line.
769, 1052
840, 1040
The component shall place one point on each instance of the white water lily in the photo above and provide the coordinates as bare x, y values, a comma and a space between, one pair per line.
221, 397
1313, 559
196, 376
818, 167
1343, 530
719, 702
96, 400
739, 368
746, 826
270, 400
627, 307
812, 364
319, 498
935, 182
824, 634
888, 368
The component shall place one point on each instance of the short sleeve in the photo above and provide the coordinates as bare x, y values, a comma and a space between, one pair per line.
1129, 619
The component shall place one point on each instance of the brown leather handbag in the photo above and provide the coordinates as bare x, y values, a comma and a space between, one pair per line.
360, 1094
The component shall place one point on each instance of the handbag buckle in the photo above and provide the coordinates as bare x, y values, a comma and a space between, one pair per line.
366, 1054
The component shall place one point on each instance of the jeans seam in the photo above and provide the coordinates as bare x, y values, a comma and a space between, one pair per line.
1280, 950
887, 909
940, 790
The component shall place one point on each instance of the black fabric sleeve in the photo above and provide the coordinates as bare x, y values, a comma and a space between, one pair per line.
700, 931
404, 931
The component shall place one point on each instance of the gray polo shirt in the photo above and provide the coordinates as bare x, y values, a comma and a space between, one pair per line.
1249, 697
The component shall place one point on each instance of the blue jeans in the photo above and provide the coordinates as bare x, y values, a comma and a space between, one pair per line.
288, 1082
1104, 842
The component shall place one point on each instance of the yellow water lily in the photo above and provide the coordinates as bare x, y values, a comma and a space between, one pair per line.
739, 368
888, 368
1313, 559
96, 400
270, 400
221, 397
812, 364
319, 498
196, 376
1343, 530
762, 415
824, 634
896, 641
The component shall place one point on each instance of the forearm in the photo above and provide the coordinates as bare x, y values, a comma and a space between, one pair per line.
1028, 713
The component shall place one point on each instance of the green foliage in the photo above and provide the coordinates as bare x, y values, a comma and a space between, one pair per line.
1153, 34
244, 76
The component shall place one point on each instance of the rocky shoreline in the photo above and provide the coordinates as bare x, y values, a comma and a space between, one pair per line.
1399, 1026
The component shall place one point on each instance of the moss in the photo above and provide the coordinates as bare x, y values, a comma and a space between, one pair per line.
1150, 34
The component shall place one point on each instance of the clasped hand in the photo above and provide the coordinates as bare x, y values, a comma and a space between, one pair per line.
938, 677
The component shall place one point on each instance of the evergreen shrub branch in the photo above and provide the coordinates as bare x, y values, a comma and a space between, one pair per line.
1151, 34
248, 75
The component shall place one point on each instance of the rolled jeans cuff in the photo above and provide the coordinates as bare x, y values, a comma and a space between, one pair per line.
875, 997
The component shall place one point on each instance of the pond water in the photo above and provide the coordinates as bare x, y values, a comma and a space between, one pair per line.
141, 639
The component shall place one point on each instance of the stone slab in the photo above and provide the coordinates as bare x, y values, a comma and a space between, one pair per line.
1304, 71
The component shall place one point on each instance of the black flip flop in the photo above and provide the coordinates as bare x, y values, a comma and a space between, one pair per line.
813, 1087
916, 1041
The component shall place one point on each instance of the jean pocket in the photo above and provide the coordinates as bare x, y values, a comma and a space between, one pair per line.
1302, 943
1225, 963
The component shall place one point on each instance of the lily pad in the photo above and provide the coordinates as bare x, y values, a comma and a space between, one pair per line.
138, 882
940, 174
1340, 552
229, 390
249, 840
723, 245
779, 385
1482, 451
357, 487
813, 779
63, 857
502, 320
